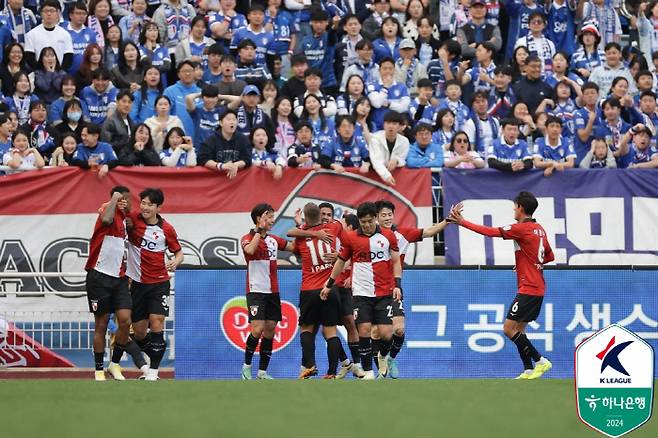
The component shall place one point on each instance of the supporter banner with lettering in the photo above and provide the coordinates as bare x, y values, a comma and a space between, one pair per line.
592, 217
47, 216
454, 321
17, 349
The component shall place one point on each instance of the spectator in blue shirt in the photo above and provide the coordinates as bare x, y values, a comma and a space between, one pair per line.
641, 154
348, 150
388, 46
612, 128
319, 48
93, 154
508, 153
424, 152
177, 92
554, 151
205, 112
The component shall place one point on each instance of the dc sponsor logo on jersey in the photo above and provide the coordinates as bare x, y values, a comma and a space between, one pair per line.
234, 321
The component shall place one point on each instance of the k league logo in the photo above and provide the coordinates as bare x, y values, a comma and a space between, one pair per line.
614, 373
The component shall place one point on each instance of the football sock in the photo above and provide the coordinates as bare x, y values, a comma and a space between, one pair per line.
136, 353
396, 346
375, 348
354, 351
144, 343
333, 348
250, 348
384, 347
308, 349
117, 352
534, 354
158, 347
265, 353
522, 346
365, 353
341, 352
98, 360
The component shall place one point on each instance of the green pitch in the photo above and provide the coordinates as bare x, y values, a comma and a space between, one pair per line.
286, 409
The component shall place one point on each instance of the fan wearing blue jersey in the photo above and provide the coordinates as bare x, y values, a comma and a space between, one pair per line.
422, 110
387, 94
612, 128
642, 155
320, 46
553, 151
255, 32
347, 150
508, 153
561, 24
518, 12
94, 154
444, 67
224, 23
453, 102
81, 35
205, 113
100, 96
585, 120
248, 70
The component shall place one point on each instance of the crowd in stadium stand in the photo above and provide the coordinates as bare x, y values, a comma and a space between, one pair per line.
333, 84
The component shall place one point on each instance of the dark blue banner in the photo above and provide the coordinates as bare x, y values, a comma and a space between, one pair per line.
454, 321
592, 217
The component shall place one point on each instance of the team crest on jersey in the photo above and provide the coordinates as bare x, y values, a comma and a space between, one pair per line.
355, 313
518, 152
253, 310
94, 305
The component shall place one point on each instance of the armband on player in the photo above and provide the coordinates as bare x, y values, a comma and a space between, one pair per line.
330, 282
398, 283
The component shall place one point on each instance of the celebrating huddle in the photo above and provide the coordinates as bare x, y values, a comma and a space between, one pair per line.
138, 295
352, 275
362, 291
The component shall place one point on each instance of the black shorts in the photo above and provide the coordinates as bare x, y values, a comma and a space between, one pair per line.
525, 308
375, 310
149, 299
107, 294
263, 307
315, 311
345, 297
398, 309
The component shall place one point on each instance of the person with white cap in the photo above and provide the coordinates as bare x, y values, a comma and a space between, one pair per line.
604, 17
589, 55
408, 69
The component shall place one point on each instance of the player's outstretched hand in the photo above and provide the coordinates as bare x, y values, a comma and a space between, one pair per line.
455, 215
397, 294
324, 293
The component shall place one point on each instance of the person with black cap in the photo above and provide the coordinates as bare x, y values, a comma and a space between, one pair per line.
477, 30
589, 55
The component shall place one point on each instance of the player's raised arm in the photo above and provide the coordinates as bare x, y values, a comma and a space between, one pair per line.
301, 233
456, 217
107, 217
434, 229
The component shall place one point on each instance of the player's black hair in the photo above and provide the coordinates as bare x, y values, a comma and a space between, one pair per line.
352, 221
326, 205
553, 119
382, 204
312, 213
259, 210
155, 195
527, 201
366, 209
120, 189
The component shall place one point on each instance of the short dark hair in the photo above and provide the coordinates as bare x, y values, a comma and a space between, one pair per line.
383, 203
612, 45
225, 58
246, 42
259, 210
423, 127
535, 14
92, 128
120, 189
209, 90
452, 82
303, 124
326, 205
589, 86
510, 121
480, 94
386, 59
527, 201
183, 64
553, 119
611, 101
366, 209
393, 117
318, 14
489, 47
313, 72
503, 70
424, 83
363, 44
342, 118
52, 3
648, 93
78, 5
216, 49
352, 221
532, 58
101, 73
123, 93
452, 47
297, 59
155, 195
36, 104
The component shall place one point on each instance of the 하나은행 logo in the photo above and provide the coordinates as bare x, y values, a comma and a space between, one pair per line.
234, 319
614, 371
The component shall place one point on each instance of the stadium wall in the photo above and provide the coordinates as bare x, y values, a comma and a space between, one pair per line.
454, 320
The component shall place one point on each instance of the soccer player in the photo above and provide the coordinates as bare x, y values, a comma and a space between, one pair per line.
149, 237
313, 310
263, 301
376, 282
532, 251
405, 236
107, 284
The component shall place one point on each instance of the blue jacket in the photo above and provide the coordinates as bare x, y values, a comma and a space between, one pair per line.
103, 151
431, 156
176, 94
143, 110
